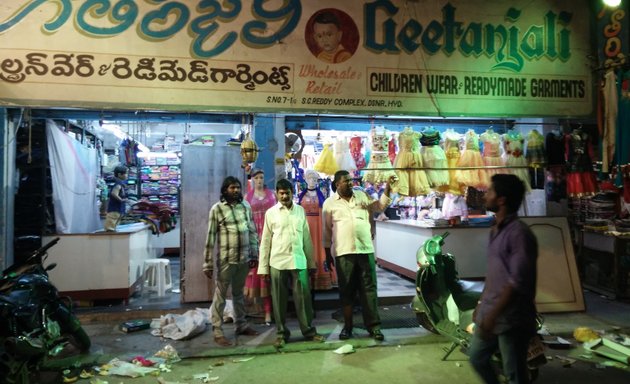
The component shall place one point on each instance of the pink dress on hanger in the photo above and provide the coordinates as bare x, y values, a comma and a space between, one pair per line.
411, 180
325, 277
255, 286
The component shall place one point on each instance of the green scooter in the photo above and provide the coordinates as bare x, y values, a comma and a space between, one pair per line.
437, 282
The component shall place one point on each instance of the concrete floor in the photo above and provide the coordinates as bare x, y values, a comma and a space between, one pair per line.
393, 364
408, 355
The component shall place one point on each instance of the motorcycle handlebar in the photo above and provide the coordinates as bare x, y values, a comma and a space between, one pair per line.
46, 247
36, 255
35, 259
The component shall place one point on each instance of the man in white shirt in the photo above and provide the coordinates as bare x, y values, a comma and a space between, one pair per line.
348, 244
286, 254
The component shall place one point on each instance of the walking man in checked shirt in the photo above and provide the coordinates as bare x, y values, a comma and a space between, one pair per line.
231, 227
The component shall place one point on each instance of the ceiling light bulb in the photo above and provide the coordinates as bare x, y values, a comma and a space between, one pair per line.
612, 3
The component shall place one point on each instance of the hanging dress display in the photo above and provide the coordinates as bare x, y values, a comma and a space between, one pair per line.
492, 152
581, 179
326, 162
622, 136
535, 153
515, 156
356, 151
451, 148
535, 156
342, 155
625, 177
412, 181
392, 149
454, 206
471, 157
312, 200
379, 169
556, 174
611, 105
256, 286
433, 156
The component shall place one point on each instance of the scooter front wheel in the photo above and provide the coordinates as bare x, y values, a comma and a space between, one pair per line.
424, 321
70, 326
81, 339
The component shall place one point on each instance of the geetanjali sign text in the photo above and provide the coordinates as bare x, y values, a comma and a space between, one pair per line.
444, 58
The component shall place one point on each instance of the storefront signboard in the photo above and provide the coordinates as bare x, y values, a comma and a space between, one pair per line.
394, 57
612, 37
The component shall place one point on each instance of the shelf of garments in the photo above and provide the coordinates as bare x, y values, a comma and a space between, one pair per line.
159, 183
132, 182
172, 200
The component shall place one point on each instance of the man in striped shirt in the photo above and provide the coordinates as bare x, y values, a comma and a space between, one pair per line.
231, 227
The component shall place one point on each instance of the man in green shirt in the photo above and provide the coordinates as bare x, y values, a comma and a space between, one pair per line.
286, 254
231, 226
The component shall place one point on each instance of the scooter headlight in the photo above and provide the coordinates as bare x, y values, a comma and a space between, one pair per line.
432, 247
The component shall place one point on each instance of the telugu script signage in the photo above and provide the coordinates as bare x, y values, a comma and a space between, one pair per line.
440, 58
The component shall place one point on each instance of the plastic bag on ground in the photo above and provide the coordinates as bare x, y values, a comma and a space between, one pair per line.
123, 368
180, 327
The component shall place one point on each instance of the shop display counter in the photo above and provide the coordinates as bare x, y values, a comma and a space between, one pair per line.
558, 286
397, 242
101, 265
605, 264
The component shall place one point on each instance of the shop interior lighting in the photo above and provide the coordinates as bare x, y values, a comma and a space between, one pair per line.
612, 3
158, 154
116, 131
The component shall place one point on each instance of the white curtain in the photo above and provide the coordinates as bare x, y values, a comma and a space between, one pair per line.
74, 169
